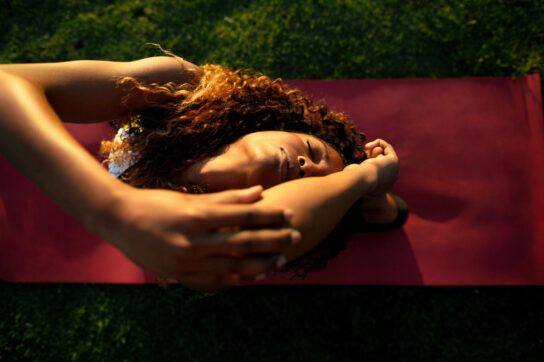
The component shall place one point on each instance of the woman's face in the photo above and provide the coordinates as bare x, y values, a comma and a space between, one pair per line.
264, 158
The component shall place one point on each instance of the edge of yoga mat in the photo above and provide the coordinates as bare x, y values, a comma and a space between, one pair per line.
526, 97
527, 101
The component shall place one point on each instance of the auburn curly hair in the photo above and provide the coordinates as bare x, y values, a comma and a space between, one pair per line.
192, 121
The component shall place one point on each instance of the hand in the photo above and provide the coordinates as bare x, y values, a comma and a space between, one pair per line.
382, 155
205, 241
373, 149
383, 158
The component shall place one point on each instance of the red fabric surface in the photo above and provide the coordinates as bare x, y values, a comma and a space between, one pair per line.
472, 172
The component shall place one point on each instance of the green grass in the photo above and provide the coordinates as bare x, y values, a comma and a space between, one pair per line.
287, 39
74, 322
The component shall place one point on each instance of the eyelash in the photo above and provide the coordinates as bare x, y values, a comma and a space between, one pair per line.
310, 149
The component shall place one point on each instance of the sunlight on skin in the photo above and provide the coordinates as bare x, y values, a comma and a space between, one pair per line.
265, 158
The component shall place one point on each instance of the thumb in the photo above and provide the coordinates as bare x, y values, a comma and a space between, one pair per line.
243, 196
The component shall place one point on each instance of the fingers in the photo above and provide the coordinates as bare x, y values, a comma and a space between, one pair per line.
386, 147
376, 151
244, 196
248, 242
210, 268
373, 149
378, 142
245, 216
371, 144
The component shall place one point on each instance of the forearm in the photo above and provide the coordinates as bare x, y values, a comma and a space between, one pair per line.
319, 203
85, 91
33, 138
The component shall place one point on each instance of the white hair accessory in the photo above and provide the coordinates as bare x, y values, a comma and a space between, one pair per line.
116, 168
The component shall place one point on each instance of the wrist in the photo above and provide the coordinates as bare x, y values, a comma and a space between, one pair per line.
366, 175
103, 216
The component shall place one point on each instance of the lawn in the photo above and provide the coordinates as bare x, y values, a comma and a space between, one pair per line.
290, 40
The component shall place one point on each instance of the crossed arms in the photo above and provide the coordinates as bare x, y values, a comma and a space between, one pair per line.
172, 234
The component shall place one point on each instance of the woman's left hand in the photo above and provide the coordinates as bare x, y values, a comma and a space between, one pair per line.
373, 149
383, 157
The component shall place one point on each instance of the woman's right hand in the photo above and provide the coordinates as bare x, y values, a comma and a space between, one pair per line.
206, 241
171, 234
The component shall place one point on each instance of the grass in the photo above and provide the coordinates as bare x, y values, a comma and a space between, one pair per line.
287, 39
105, 322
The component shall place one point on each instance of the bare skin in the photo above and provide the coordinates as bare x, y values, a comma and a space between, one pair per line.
307, 175
320, 202
207, 242
163, 231
272, 157
379, 208
264, 158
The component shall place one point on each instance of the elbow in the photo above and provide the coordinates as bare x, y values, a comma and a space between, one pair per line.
14, 90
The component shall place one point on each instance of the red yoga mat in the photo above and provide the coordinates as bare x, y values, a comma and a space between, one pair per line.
472, 173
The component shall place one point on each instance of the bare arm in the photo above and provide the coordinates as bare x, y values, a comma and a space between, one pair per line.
33, 138
319, 203
165, 232
36, 98
85, 91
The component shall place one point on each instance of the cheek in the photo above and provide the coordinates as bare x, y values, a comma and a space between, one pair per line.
336, 162
267, 175
336, 168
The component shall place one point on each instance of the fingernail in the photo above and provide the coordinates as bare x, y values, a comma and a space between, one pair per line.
282, 260
260, 277
288, 214
295, 237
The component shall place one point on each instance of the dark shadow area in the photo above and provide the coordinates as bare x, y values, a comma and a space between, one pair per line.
431, 205
303, 323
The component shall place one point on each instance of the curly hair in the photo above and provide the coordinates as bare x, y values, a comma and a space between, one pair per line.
194, 120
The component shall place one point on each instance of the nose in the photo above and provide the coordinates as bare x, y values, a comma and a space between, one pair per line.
307, 167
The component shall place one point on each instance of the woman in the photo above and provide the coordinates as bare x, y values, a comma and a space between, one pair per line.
228, 129
188, 106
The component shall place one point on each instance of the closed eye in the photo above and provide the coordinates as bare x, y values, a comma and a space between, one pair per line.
310, 150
